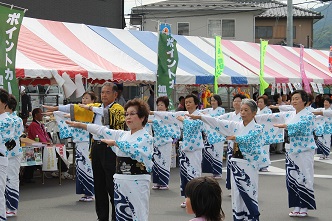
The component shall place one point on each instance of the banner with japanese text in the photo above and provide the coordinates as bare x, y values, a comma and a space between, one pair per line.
330, 59
167, 65
219, 63
10, 20
263, 84
305, 80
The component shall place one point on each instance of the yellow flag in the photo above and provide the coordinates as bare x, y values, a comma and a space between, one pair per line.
263, 84
219, 62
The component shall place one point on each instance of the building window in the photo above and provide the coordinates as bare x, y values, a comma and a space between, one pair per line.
214, 28
224, 28
183, 28
263, 32
228, 28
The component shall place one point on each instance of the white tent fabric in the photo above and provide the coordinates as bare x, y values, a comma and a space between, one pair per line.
46, 48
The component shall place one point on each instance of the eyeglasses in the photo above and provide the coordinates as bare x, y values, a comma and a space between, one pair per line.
130, 114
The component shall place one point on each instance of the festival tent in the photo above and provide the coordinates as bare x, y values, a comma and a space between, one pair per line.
47, 49
282, 64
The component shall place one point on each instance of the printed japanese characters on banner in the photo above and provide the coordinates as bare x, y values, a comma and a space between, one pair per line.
11, 20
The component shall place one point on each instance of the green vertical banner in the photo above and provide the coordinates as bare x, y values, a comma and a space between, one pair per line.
219, 62
167, 65
263, 84
10, 20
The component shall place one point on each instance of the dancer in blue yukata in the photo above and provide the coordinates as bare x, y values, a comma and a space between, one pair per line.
14, 161
84, 172
7, 142
301, 125
264, 109
213, 151
247, 158
163, 143
233, 116
133, 149
190, 149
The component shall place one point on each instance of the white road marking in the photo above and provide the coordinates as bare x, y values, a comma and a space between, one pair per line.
276, 171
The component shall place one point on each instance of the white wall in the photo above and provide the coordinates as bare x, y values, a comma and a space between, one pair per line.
198, 25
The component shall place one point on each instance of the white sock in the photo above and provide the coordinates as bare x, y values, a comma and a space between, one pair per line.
303, 210
296, 209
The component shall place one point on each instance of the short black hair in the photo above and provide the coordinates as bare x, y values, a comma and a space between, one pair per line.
180, 98
241, 96
35, 111
264, 99
12, 102
205, 198
276, 96
142, 107
328, 100
4, 96
303, 94
112, 85
218, 99
196, 100
92, 95
163, 99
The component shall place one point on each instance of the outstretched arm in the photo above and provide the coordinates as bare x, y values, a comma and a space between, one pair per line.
50, 108
77, 124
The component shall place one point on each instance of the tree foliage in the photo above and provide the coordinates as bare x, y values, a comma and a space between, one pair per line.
323, 28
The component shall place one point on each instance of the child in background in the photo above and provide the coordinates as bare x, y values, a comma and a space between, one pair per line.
203, 198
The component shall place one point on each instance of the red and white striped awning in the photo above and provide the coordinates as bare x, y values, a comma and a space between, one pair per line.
48, 49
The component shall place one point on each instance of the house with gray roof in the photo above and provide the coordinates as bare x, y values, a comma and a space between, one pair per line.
272, 23
242, 20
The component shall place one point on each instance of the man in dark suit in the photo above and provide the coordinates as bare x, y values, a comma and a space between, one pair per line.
25, 106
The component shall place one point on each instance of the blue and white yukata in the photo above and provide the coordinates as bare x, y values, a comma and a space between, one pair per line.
131, 192
190, 149
299, 155
232, 116
14, 164
84, 173
266, 148
213, 151
323, 141
165, 129
244, 171
7, 132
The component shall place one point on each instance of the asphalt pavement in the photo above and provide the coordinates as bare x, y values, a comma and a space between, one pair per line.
52, 202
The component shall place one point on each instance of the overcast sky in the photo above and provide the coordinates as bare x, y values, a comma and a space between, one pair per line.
133, 3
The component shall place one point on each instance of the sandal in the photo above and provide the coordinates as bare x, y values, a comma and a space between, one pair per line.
89, 199
156, 187
163, 187
293, 214
302, 214
82, 199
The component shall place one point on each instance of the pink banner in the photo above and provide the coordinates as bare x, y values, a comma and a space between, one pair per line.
305, 80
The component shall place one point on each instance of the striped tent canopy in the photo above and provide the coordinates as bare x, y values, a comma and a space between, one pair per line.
47, 49
282, 64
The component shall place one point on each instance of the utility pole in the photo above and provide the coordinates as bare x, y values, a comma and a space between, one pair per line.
290, 23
